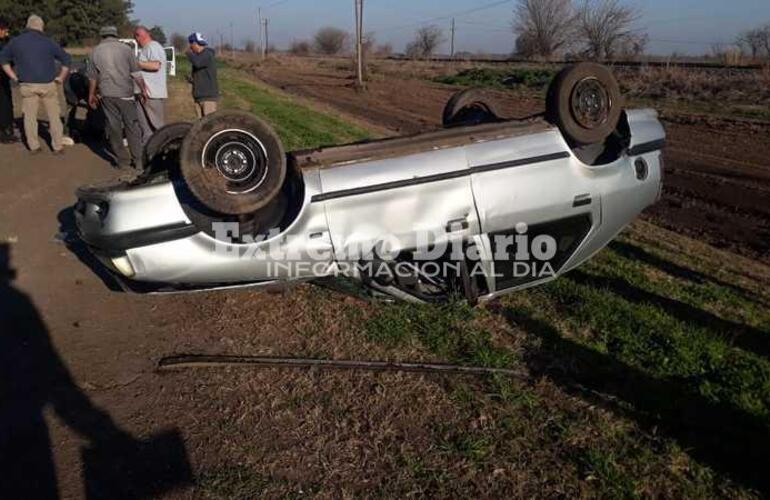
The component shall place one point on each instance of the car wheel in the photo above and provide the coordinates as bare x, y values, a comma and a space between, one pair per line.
233, 162
162, 150
469, 107
585, 102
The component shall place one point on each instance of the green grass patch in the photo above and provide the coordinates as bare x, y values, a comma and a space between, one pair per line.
679, 348
446, 330
532, 78
298, 125
711, 336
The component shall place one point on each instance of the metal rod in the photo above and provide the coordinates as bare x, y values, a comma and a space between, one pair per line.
197, 361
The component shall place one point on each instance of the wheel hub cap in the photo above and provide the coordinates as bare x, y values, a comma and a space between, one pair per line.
590, 103
239, 159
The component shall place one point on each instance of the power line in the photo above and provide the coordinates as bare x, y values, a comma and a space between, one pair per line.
275, 4
448, 16
689, 42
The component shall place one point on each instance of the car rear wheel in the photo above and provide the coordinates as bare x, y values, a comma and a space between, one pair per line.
233, 162
163, 149
585, 102
469, 107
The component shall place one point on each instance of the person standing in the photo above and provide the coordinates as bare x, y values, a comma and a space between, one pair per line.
204, 75
152, 61
114, 71
6, 100
34, 57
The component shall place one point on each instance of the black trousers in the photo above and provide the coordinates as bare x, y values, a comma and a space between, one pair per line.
6, 104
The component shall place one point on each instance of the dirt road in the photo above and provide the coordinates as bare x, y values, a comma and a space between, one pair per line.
718, 172
85, 412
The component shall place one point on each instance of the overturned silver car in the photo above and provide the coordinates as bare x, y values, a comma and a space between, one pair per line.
477, 210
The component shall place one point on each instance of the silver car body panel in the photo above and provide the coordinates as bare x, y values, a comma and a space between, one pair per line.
464, 192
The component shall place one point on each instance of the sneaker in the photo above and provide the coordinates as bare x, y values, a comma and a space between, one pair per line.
68, 141
34, 152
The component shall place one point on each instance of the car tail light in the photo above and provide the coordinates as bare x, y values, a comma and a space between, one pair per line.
123, 266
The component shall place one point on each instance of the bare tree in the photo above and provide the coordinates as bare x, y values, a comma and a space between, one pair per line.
331, 41
543, 27
249, 45
755, 41
301, 48
766, 39
426, 41
384, 50
751, 40
605, 26
369, 42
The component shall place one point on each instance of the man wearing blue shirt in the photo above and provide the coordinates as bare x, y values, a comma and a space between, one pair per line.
34, 57
6, 101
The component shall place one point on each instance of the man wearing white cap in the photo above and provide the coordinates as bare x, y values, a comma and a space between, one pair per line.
204, 75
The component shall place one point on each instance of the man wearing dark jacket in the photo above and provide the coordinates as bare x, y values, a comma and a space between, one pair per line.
204, 75
6, 101
34, 57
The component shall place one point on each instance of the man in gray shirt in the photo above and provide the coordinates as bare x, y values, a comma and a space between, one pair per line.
113, 71
152, 62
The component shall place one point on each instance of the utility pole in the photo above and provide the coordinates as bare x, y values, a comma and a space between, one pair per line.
266, 46
259, 20
360, 42
452, 45
232, 41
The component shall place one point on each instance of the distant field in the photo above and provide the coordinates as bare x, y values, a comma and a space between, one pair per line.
733, 93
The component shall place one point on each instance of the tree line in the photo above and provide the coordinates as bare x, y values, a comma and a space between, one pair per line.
71, 22
755, 42
590, 29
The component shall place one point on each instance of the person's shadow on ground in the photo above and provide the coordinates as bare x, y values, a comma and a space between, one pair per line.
34, 378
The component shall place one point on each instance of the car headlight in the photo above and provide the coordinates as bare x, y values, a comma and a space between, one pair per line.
123, 266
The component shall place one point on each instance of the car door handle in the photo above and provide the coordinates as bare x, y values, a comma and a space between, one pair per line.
457, 225
582, 200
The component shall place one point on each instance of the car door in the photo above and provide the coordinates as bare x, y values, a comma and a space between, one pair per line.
536, 206
405, 201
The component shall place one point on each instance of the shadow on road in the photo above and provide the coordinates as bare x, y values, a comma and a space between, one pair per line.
717, 434
34, 378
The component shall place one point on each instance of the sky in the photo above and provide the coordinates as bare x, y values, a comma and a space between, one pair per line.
685, 27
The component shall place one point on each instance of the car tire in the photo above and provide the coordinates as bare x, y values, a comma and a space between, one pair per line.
233, 162
469, 107
585, 102
163, 149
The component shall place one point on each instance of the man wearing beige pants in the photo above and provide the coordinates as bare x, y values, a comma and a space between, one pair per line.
34, 57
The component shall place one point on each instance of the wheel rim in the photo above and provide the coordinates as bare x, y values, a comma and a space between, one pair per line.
590, 103
238, 158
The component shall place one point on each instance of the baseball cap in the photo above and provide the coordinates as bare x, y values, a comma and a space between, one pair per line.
198, 38
108, 31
